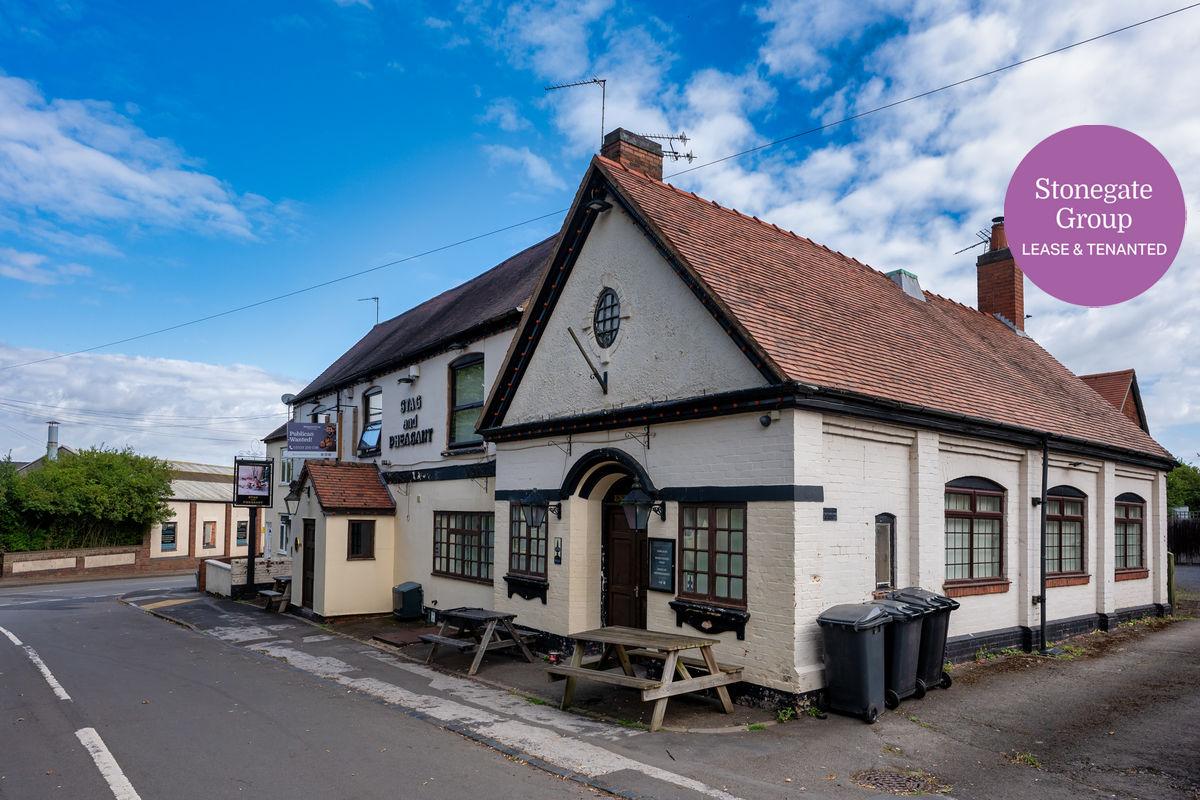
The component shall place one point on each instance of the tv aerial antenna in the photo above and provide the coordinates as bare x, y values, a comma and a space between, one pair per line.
602, 83
669, 140
984, 238
368, 299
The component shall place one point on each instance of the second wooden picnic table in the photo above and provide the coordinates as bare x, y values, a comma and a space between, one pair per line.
476, 630
624, 643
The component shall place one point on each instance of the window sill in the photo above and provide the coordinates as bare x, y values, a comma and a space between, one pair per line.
969, 588
1132, 574
527, 587
1067, 579
463, 578
360, 558
709, 618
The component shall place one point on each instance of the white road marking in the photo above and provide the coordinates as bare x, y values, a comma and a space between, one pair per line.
110, 770
55, 686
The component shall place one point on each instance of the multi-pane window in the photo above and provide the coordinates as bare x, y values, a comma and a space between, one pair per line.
712, 548
1131, 513
1064, 532
885, 543
285, 534
974, 533
368, 442
287, 468
466, 399
243, 530
210, 534
463, 543
360, 540
606, 319
168, 542
526, 545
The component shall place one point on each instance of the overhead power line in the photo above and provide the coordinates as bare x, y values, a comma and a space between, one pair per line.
52, 408
540, 217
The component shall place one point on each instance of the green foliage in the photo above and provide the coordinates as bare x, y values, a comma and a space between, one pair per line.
786, 714
94, 498
1183, 487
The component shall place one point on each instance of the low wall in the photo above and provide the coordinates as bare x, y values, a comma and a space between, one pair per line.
224, 576
50, 565
216, 578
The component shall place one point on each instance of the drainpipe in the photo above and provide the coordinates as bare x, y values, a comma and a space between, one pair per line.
1042, 547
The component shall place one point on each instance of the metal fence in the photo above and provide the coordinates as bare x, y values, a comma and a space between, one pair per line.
1183, 539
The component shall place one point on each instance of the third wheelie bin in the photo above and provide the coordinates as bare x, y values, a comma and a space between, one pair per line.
937, 607
854, 661
902, 651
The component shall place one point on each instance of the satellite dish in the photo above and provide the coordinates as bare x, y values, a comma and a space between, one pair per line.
287, 399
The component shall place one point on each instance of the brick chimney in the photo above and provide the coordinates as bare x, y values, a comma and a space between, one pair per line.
1001, 283
636, 152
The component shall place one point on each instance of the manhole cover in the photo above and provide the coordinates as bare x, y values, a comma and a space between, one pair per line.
901, 782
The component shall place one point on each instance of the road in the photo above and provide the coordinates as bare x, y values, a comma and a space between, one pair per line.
157, 711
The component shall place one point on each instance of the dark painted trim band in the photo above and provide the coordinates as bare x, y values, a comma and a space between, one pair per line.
517, 495
457, 472
794, 493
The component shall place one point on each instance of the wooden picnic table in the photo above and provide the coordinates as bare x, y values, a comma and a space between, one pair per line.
461, 631
621, 643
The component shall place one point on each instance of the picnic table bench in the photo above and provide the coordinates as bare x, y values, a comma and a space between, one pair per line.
278, 595
623, 643
476, 630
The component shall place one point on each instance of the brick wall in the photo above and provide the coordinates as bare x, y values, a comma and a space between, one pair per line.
1001, 287
90, 562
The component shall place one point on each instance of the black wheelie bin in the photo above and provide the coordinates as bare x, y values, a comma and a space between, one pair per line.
902, 651
935, 623
854, 659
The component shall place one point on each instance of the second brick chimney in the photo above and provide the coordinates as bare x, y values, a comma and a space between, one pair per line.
636, 152
1000, 281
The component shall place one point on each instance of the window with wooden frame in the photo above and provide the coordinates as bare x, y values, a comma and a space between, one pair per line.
360, 540
243, 533
885, 551
1130, 532
974, 530
463, 544
209, 534
168, 541
712, 553
372, 432
1065, 507
466, 399
526, 545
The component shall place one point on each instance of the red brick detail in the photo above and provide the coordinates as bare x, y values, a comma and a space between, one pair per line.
1001, 287
1068, 580
975, 587
635, 158
228, 529
1132, 574
192, 528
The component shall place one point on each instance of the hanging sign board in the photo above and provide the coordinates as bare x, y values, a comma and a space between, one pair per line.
307, 440
662, 565
252, 482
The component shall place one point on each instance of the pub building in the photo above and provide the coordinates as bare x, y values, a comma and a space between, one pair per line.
672, 415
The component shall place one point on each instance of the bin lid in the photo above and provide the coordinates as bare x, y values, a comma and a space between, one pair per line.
899, 611
859, 616
915, 595
407, 586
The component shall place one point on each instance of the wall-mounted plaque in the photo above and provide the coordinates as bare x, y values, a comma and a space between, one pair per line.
662, 565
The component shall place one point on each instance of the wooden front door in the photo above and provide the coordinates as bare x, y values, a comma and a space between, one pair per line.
625, 557
309, 546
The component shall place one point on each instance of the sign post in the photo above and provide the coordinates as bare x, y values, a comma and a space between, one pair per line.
252, 485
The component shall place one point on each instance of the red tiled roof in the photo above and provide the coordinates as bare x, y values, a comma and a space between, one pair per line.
1118, 388
826, 319
348, 487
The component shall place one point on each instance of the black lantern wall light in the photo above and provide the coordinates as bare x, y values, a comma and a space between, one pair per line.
637, 506
534, 507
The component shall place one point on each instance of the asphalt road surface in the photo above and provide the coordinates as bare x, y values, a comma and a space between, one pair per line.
100, 700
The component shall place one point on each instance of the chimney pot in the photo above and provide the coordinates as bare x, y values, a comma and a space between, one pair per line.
636, 152
1000, 282
52, 441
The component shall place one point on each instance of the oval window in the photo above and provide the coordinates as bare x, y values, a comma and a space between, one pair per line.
607, 319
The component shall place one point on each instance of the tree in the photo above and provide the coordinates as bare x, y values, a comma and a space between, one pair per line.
1183, 487
93, 498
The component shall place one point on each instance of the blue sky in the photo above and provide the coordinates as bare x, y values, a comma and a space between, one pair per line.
161, 162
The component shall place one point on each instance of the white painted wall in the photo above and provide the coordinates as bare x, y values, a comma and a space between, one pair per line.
668, 345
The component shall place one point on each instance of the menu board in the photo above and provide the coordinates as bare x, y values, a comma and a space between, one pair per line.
662, 565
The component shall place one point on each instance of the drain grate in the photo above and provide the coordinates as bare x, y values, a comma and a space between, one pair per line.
899, 782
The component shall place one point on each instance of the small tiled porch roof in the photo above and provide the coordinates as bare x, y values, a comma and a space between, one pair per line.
1121, 390
348, 488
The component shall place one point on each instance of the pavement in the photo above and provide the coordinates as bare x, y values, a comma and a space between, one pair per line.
241, 700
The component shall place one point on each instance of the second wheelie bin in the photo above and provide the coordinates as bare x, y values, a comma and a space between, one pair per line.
854, 659
934, 625
902, 651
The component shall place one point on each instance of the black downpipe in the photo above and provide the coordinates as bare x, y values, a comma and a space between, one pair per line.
1042, 548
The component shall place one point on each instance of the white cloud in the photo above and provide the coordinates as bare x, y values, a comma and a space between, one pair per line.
34, 268
436, 23
504, 113
351, 3
535, 170
165, 407
552, 37
81, 162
